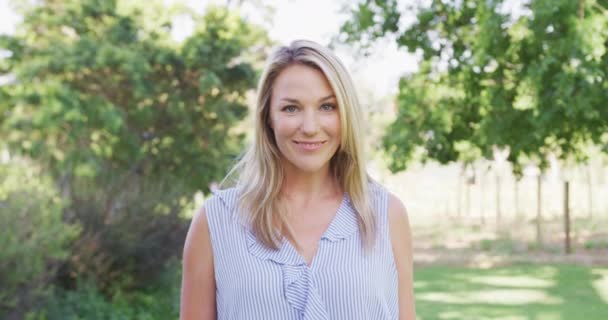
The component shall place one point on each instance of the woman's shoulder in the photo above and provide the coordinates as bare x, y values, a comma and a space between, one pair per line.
376, 187
222, 202
378, 192
387, 200
390, 198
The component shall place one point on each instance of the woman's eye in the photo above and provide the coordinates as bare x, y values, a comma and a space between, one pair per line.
328, 107
290, 108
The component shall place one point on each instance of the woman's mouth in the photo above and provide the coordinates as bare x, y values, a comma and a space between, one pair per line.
309, 145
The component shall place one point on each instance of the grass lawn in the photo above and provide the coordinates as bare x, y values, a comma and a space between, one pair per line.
519, 292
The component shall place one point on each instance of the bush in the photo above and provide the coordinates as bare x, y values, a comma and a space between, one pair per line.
85, 302
34, 237
159, 300
118, 236
131, 228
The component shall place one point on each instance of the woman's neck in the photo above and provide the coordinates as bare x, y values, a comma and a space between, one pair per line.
308, 186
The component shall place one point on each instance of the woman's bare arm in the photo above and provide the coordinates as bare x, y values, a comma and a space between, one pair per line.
198, 280
401, 240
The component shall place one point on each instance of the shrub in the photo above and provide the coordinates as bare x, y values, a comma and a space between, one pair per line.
34, 237
158, 300
131, 228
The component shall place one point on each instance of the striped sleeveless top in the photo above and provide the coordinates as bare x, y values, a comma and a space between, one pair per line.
256, 282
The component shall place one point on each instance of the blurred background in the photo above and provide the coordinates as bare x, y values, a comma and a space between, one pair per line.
489, 118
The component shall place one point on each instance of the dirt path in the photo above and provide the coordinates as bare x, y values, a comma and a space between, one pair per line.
487, 260
470, 245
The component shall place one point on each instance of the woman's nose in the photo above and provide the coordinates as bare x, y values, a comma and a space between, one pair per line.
310, 123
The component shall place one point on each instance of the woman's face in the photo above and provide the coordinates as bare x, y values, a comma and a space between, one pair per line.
305, 118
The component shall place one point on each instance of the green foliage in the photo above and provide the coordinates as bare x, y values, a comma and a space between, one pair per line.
371, 19
502, 245
33, 235
86, 302
96, 88
593, 244
534, 83
128, 124
128, 234
158, 300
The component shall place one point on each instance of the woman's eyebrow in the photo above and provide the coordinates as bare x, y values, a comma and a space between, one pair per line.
290, 100
297, 101
327, 98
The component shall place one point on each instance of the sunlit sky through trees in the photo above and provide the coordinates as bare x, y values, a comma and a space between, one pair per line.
316, 20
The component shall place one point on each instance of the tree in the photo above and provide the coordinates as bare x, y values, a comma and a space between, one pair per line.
128, 122
533, 83
35, 239
100, 87
494, 79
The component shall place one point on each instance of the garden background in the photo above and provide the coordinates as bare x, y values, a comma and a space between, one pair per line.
489, 118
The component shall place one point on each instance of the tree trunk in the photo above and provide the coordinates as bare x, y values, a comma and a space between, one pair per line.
498, 208
481, 197
516, 199
468, 200
589, 192
65, 185
458, 196
539, 235
567, 246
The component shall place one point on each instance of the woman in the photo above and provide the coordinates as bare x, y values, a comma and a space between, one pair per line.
305, 234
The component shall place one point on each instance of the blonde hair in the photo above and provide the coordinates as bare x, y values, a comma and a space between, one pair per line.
260, 173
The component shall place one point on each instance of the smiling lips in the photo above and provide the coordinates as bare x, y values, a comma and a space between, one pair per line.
309, 145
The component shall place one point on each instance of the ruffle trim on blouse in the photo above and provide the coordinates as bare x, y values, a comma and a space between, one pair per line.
298, 285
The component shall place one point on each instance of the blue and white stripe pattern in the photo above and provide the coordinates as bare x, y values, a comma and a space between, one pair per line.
255, 282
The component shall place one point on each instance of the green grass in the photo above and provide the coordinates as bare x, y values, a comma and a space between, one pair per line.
520, 292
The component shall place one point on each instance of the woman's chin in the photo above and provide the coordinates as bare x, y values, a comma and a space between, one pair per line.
310, 168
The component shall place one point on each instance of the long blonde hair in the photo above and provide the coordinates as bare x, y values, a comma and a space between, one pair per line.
260, 173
